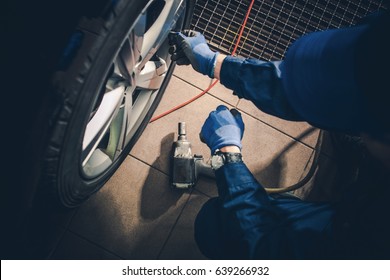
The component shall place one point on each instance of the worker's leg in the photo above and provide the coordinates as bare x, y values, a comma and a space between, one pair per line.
208, 232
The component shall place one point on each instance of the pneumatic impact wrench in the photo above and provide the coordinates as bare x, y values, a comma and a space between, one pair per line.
185, 167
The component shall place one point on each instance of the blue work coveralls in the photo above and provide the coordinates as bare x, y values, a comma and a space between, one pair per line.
244, 222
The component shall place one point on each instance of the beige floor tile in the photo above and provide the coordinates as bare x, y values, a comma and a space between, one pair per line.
154, 146
301, 131
274, 158
335, 169
189, 75
72, 247
326, 183
207, 186
133, 214
181, 243
45, 229
221, 92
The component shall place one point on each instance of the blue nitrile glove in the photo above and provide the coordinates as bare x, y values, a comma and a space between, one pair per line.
190, 47
223, 128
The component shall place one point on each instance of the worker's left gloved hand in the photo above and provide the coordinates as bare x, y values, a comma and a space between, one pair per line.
223, 128
190, 47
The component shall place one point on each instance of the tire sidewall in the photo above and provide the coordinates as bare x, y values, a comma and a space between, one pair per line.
69, 185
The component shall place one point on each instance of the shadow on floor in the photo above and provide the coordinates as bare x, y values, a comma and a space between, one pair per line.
273, 174
164, 196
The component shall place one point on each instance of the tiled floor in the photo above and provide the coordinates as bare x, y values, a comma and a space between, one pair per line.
137, 216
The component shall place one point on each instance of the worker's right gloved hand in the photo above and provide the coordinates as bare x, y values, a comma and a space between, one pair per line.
190, 47
223, 128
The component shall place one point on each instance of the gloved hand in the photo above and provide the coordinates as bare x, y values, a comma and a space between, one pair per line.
223, 128
190, 47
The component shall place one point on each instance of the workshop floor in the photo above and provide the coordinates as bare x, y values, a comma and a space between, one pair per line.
137, 216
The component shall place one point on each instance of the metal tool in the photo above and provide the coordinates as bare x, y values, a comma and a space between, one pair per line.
185, 167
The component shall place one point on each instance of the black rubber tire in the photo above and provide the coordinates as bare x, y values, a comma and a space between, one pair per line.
75, 87
43, 120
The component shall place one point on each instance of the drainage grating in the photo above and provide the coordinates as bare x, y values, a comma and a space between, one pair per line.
273, 25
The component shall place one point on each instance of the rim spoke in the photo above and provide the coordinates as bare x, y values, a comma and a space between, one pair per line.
138, 72
101, 121
158, 32
120, 126
138, 111
130, 53
152, 75
117, 130
97, 163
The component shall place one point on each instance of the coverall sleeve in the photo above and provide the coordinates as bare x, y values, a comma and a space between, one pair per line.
258, 226
260, 82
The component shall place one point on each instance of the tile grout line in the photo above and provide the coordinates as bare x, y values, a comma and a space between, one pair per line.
181, 211
173, 226
203, 193
297, 139
195, 86
95, 244
248, 114
62, 235
164, 173
310, 130
51, 253
144, 162
67, 229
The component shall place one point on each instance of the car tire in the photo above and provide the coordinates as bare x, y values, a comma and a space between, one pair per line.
79, 89
58, 57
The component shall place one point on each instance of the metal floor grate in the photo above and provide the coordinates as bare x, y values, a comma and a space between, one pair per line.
273, 25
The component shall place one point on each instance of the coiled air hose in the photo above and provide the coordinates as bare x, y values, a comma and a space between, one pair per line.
309, 174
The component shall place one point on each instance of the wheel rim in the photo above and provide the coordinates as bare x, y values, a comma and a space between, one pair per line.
136, 75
